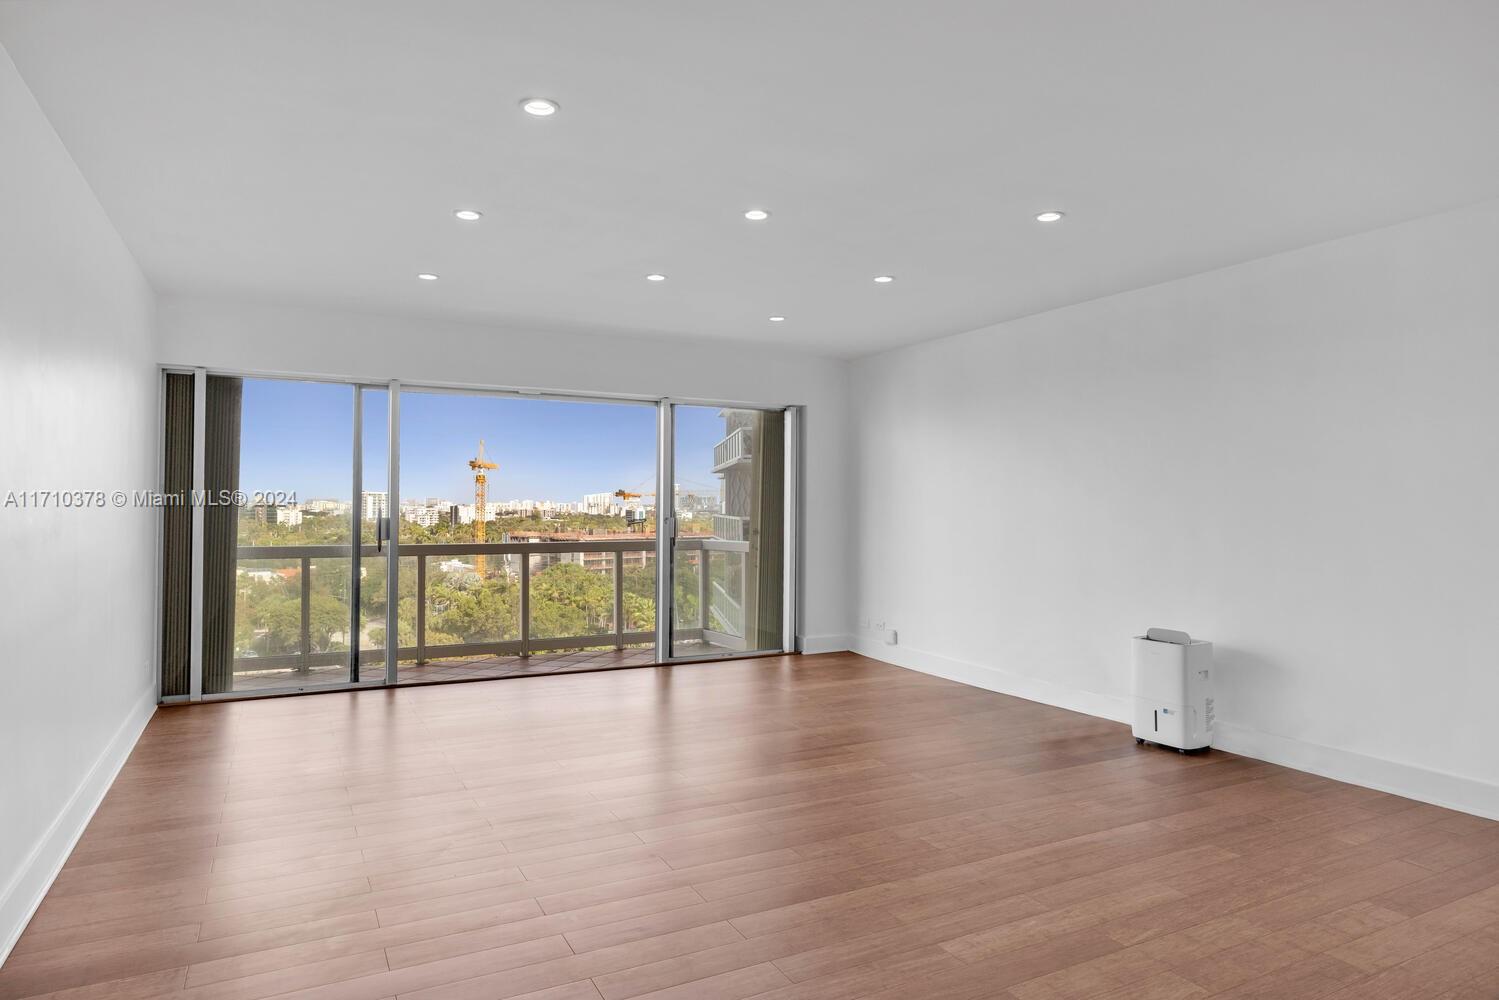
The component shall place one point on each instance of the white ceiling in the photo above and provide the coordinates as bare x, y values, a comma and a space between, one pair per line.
314, 151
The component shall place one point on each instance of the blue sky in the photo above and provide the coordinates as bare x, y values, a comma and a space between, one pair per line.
296, 436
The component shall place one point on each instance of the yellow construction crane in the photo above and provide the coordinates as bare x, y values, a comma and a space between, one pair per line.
481, 508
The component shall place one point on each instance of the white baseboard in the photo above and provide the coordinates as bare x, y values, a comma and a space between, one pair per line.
1451, 791
991, 678
826, 643
24, 894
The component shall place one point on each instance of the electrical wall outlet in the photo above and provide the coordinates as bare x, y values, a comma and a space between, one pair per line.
890, 637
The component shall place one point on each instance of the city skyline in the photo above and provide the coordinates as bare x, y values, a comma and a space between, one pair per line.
296, 437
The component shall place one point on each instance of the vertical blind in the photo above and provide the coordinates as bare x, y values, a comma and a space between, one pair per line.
220, 530
177, 538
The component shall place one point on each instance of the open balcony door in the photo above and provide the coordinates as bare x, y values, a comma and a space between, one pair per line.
726, 510
270, 590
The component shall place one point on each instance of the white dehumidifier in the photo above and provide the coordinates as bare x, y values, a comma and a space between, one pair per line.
1173, 690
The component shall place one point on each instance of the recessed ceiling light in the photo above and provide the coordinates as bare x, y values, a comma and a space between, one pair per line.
884, 279
540, 107
427, 276
468, 215
1049, 217
757, 215
655, 277
778, 319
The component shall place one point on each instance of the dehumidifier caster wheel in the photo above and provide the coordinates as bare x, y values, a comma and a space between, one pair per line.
1139, 742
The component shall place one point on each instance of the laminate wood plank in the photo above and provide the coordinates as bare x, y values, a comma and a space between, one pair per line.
1423, 932
1164, 986
541, 925
734, 985
1454, 883
810, 960
1469, 962
787, 828
491, 966
1307, 979
1105, 974
1243, 963
989, 978
732, 955
981, 945
1331, 930
583, 990
1474, 990
144, 987
624, 931
455, 978
914, 969
96, 961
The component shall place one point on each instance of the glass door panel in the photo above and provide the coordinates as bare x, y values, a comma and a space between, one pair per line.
728, 549
277, 559
527, 535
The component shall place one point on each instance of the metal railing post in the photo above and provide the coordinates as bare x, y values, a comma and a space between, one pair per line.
703, 563
619, 599
525, 604
305, 666
421, 609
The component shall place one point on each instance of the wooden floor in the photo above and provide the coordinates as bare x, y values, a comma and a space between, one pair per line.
818, 828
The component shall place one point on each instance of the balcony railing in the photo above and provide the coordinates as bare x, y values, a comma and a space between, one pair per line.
711, 624
729, 528
725, 614
732, 450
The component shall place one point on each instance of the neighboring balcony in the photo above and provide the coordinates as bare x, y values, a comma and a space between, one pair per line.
732, 450
730, 528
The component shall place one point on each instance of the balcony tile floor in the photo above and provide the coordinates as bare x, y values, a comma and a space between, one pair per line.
518, 666
466, 669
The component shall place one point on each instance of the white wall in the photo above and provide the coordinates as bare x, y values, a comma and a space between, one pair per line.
1297, 458
293, 339
78, 400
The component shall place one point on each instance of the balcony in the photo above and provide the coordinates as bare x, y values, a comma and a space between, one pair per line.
730, 528
732, 450
520, 643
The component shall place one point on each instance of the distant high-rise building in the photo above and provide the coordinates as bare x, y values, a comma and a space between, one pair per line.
598, 503
269, 513
373, 505
425, 513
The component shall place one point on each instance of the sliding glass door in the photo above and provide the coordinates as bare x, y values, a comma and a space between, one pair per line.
525, 535
266, 586
728, 533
